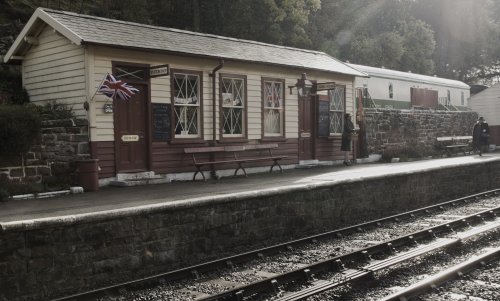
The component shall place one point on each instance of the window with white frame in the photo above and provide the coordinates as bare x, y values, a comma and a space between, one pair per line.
273, 107
187, 104
337, 109
233, 93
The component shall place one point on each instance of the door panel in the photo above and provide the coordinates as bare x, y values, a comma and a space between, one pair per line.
131, 141
306, 130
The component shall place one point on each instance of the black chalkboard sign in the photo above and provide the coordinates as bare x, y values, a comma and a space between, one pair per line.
161, 121
323, 118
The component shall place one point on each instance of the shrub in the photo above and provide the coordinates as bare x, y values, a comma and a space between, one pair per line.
19, 127
10, 188
55, 110
11, 83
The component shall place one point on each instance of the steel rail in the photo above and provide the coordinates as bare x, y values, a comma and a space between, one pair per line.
196, 270
336, 264
384, 264
444, 276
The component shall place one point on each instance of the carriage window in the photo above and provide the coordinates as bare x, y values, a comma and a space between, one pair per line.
187, 103
337, 109
391, 92
273, 107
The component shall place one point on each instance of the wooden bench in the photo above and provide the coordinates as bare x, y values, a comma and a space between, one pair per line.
234, 151
452, 144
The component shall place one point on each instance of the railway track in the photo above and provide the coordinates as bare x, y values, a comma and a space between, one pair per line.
454, 272
349, 254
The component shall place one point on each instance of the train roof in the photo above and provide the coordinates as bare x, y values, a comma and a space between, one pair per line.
408, 76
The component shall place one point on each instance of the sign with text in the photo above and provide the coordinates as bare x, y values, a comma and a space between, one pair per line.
324, 86
161, 121
323, 118
160, 70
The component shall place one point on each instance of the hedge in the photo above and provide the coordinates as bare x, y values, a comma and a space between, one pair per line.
19, 128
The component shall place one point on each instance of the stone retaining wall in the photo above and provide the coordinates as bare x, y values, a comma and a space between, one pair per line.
412, 133
61, 143
51, 257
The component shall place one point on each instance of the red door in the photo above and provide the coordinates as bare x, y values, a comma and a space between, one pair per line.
306, 135
131, 141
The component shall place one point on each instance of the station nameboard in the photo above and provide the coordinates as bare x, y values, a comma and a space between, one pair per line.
324, 86
160, 70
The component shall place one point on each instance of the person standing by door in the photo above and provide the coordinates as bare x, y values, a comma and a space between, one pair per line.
347, 133
480, 136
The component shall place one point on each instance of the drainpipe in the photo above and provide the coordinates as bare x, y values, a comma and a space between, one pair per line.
214, 97
214, 120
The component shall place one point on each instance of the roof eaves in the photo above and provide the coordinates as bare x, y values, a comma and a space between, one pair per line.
39, 14
216, 57
68, 33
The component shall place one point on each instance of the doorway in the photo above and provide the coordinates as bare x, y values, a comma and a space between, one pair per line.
131, 120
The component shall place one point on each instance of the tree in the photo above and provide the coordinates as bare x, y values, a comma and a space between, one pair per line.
467, 39
419, 46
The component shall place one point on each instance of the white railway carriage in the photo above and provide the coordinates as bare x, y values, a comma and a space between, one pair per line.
404, 90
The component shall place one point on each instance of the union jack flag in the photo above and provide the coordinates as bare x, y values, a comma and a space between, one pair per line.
116, 88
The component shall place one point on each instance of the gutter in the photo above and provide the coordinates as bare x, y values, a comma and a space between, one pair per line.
214, 97
214, 120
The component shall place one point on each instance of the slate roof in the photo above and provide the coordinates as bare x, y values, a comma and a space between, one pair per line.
408, 76
84, 29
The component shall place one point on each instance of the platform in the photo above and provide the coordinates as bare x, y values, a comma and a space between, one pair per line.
110, 199
53, 247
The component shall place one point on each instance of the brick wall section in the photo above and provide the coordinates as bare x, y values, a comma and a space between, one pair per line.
414, 132
61, 143
49, 258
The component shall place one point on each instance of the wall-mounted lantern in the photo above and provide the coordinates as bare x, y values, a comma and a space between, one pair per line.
303, 85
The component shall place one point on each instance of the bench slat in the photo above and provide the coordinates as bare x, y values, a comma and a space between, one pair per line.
205, 149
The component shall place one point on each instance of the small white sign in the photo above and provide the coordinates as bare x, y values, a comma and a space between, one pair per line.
108, 108
161, 70
130, 138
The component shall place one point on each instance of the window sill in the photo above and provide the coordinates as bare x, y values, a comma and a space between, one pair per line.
233, 140
187, 141
334, 137
273, 139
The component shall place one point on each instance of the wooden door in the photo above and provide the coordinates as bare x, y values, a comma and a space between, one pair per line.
306, 129
131, 141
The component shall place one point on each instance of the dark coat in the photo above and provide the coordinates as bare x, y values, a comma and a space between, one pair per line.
480, 134
346, 135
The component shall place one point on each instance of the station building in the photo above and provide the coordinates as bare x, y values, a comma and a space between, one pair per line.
194, 90
485, 103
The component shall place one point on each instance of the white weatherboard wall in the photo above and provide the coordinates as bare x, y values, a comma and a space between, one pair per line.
487, 104
54, 70
100, 60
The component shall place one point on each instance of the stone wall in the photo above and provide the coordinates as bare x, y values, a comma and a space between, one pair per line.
413, 132
53, 257
61, 143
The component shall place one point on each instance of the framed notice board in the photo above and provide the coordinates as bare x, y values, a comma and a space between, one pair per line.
323, 118
161, 121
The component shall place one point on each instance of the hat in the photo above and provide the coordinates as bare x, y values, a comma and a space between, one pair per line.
347, 115
480, 118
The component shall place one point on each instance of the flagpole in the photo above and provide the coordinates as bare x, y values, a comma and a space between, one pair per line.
97, 90
87, 108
